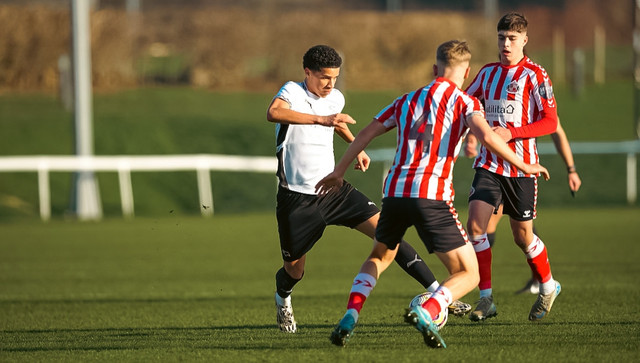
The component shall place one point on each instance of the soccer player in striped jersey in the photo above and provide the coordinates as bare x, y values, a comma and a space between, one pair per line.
519, 105
431, 123
307, 114
563, 148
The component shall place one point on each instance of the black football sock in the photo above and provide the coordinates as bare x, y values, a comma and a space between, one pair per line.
412, 264
284, 283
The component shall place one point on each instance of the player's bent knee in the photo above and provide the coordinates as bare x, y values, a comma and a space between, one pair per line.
473, 278
295, 269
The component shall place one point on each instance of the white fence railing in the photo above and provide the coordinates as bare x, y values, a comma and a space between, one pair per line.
124, 165
203, 164
630, 148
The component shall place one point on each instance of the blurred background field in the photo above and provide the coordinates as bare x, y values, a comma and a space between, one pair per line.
256, 45
181, 120
196, 76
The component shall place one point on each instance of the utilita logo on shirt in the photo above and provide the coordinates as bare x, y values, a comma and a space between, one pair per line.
499, 109
503, 111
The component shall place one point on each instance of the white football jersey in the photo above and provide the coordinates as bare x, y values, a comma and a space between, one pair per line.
305, 152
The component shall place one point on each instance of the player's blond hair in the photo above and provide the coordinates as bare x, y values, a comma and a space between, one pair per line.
453, 52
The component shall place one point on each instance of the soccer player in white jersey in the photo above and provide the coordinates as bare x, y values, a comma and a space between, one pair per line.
563, 148
307, 114
519, 105
431, 123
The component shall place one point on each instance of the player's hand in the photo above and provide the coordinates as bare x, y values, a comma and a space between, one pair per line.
329, 183
362, 162
337, 120
504, 133
471, 146
574, 182
538, 169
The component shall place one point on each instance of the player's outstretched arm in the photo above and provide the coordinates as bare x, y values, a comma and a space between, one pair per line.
335, 179
544, 126
279, 111
470, 146
492, 141
362, 160
561, 143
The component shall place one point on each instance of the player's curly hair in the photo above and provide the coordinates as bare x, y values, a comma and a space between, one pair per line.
513, 22
321, 56
453, 52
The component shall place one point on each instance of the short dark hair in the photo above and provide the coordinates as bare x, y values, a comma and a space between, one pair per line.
513, 22
321, 56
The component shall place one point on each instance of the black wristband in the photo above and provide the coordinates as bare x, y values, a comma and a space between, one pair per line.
571, 169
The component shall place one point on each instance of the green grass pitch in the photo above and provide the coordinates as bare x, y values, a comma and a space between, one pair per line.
185, 288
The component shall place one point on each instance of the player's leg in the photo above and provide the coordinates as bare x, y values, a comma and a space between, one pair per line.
442, 233
358, 211
480, 213
532, 286
286, 278
378, 261
463, 270
300, 227
538, 260
484, 199
412, 264
463, 277
391, 226
493, 225
520, 205
406, 257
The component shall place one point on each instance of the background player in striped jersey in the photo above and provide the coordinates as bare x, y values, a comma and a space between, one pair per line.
520, 106
431, 123
563, 148
306, 115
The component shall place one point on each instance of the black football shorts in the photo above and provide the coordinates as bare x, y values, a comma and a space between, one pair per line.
436, 222
302, 218
519, 195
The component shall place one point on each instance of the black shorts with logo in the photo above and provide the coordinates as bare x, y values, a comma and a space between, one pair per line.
436, 222
519, 195
302, 218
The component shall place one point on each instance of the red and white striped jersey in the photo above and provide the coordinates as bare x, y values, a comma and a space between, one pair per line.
513, 97
430, 128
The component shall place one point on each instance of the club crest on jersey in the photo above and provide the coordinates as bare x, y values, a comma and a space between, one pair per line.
546, 92
513, 87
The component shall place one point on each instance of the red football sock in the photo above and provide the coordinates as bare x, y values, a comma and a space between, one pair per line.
439, 300
360, 290
433, 307
538, 260
356, 301
483, 254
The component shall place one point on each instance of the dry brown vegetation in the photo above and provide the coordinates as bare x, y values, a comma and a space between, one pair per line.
259, 48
